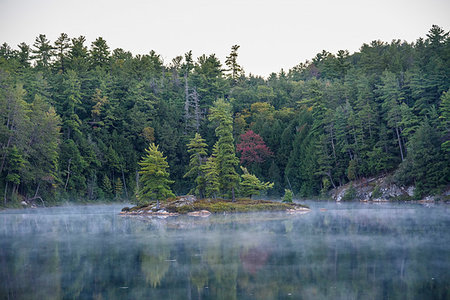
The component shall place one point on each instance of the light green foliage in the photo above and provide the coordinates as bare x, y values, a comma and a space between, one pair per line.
211, 171
154, 179
226, 157
45, 136
16, 163
251, 185
118, 188
325, 186
107, 186
288, 195
197, 150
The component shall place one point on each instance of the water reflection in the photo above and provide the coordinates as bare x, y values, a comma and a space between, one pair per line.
347, 251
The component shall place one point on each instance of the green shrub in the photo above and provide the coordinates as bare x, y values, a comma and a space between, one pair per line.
288, 195
376, 192
350, 194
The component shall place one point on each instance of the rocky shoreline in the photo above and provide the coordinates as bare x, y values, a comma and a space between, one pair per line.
191, 206
380, 189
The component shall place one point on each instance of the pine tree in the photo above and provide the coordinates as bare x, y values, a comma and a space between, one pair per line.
197, 149
211, 171
15, 167
234, 68
392, 98
78, 55
61, 50
445, 119
99, 53
118, 188
42, 52
251, 185
425, 164
154, 180
71, 103
288, 195
226, 157
107, 186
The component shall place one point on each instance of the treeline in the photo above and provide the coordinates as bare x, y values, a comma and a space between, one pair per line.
75, 120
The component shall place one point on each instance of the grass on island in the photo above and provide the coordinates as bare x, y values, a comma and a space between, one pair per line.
219, 206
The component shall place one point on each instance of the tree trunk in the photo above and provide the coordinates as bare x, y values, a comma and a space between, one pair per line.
232, 194
6, 189
332, 143
4, 156
399, 143
137, 181
197, 111
331, 179
186, 101
124, 183
68, 174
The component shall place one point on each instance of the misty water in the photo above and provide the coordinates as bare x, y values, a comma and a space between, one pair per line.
337, 251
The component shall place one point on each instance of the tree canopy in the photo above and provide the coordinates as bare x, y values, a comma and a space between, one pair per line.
76, 119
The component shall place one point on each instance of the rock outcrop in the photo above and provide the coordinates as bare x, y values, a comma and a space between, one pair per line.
378, 189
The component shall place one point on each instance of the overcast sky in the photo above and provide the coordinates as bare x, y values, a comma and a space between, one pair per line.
273, 34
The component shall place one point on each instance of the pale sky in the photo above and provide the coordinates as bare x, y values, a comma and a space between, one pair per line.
273, 34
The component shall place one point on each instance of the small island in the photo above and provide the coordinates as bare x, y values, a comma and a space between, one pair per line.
192, 206
217, 186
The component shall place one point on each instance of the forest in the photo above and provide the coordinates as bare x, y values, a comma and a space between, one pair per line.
76, 120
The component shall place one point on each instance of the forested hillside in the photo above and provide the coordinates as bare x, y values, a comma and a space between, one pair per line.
76, 118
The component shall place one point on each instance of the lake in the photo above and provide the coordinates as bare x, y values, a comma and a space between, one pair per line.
337, 251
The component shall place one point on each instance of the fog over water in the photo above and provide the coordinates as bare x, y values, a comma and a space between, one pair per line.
337, 251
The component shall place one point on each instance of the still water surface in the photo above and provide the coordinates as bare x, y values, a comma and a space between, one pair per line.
337, 251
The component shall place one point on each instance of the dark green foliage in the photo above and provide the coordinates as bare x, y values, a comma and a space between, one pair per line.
350, 194
427, 164
336, 118
197, 150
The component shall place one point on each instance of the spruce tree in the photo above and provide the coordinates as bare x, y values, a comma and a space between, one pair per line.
154, 180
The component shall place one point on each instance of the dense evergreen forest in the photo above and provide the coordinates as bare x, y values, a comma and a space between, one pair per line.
76, 119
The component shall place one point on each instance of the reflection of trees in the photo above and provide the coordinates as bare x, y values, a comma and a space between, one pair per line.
155, 262
223, 261
324, 256
253, 259
198, 273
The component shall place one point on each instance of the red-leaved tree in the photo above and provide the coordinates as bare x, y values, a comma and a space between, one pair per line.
252, 148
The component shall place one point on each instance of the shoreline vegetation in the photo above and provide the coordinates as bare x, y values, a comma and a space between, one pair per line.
192, 206
91, 123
